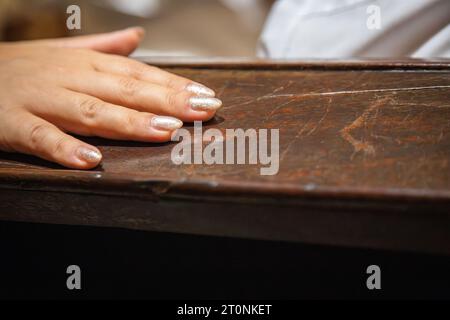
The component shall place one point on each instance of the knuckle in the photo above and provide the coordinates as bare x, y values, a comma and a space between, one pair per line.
59, 146
129, 124
90, 109
38, 133
136, 70
171, 98
129, 87
171, 82
153, 68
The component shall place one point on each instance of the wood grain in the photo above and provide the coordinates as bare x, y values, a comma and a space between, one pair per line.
364, 161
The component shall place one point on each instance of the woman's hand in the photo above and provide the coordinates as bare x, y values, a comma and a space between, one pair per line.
51, 88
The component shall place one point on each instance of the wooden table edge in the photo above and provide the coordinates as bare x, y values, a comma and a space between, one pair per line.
295, 64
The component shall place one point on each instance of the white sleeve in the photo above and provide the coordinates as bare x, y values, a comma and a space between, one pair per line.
345, 28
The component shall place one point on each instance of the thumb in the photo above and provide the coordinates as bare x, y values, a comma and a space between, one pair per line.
121, 42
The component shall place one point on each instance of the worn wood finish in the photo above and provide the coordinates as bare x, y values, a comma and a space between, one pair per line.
364, 161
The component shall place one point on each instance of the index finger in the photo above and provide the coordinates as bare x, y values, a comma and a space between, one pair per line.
131, 68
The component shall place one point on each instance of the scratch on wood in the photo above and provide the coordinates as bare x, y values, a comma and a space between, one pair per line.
315, 94
297, 136
359, 145
275, 91
275, 110
222, 89
327, 111
242, 84
305, 127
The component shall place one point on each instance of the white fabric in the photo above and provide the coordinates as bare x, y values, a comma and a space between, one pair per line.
339, 29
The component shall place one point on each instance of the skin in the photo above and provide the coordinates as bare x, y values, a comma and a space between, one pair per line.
84, 86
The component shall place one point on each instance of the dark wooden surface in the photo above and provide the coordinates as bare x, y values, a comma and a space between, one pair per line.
364, 161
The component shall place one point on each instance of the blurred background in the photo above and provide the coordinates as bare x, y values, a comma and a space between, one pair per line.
174, 27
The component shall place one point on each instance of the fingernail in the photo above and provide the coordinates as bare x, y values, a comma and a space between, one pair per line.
205, 104
200, 90
89, 155
166, 123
